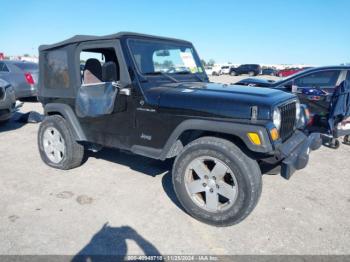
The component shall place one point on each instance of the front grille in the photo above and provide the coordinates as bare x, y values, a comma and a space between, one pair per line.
288, 118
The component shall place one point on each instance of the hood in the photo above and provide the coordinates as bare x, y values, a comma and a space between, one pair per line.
218, 100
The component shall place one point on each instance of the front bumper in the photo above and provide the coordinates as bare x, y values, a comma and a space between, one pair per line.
295, 152
29, 91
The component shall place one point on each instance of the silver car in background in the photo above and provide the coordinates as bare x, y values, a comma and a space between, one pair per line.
23, 76
7, 100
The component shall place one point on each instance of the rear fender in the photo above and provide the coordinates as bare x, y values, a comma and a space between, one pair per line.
68, 114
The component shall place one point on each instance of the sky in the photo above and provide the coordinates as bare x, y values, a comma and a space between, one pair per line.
266, 32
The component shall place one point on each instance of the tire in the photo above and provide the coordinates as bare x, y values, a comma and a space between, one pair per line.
247, 181
5, 118
233, 73
56, 136
335, 144
251, 73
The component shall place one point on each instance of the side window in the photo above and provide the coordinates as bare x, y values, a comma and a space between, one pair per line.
3, 67
56, 74
98, 66
319, 79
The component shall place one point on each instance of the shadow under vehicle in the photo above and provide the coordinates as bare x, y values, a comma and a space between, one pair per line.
125, 98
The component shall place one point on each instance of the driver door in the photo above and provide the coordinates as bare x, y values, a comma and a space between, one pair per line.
102, 100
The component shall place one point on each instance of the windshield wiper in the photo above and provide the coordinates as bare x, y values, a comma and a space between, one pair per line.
163, 74
190, 73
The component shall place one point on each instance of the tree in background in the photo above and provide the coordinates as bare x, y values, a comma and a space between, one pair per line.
211, 62
168, 64
204, 63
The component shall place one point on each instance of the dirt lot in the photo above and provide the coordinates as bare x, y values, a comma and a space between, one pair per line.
118, 203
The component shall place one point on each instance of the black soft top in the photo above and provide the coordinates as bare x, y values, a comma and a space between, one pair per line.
85, 38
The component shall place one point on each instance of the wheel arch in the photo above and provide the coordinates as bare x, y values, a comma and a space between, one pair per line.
67, 113
190, 130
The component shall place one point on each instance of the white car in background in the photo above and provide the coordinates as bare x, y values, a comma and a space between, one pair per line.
225, 70
216, 70
208, 70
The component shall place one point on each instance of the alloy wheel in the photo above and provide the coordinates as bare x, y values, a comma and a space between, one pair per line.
54, 145
211, 184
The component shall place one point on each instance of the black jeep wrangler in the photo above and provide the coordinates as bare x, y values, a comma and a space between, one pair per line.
150, 95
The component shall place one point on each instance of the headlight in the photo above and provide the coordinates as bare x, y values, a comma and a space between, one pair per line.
277, 118
298, 110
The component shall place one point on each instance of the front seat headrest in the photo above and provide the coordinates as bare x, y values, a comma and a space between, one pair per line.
109, 72
92, 71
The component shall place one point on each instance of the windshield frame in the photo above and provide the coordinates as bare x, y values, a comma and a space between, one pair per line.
179, 75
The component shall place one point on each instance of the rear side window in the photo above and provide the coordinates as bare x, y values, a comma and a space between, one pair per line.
319, 79
27, 66
56, 73
3, 67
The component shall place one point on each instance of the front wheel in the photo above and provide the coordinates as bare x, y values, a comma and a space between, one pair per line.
216, 182
57, 145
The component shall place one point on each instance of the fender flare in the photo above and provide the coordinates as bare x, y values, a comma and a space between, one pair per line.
230, 128
68, 114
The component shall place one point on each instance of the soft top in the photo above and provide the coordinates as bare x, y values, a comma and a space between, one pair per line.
85, 38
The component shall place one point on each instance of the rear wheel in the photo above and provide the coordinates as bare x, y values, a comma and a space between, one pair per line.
57, 145
251, 73
216, 182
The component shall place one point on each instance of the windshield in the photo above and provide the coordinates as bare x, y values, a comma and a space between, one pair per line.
153, 57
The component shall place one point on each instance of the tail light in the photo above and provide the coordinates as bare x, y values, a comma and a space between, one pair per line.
29, 78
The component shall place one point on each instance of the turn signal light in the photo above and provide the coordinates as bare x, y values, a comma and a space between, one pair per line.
254, 138
274, 134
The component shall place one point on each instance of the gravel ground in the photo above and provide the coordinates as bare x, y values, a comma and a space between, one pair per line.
118, 203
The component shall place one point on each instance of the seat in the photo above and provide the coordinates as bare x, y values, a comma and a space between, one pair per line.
92, 71
109, 72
